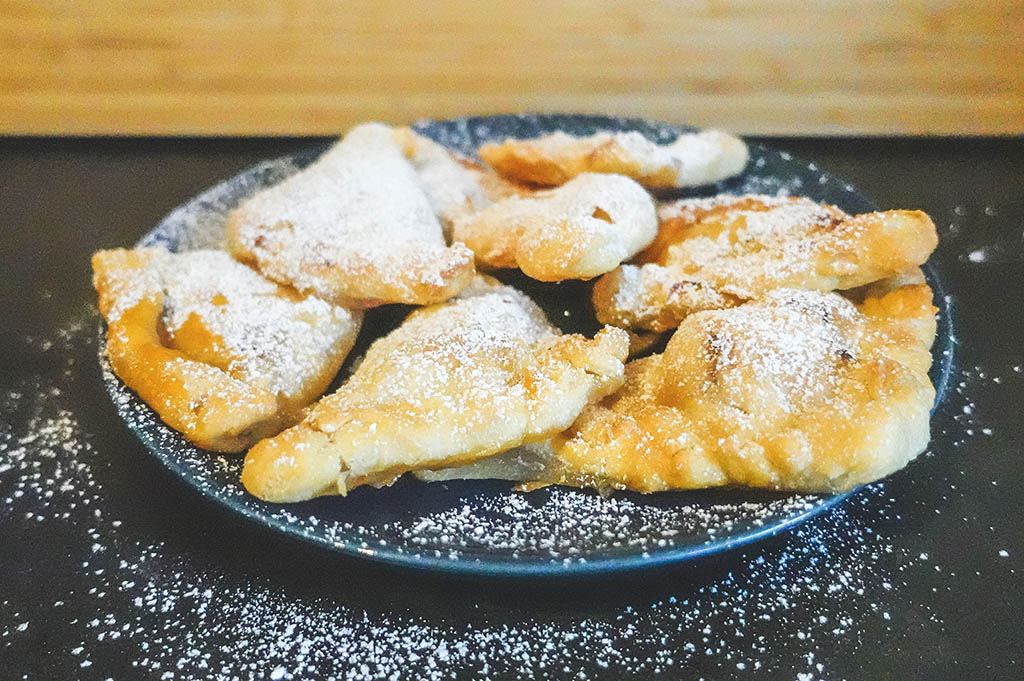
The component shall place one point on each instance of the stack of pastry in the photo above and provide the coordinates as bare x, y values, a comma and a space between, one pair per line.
797, 336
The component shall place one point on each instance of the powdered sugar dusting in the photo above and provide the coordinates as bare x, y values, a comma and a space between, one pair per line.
829, 585
668, 523
791, 342
769, 223
688, 208
774, 219
353, 225
269, 337
809, 606
506, 523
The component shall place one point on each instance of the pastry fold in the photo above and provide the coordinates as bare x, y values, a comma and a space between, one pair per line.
223, 355
356, 228
724, 251
799, 390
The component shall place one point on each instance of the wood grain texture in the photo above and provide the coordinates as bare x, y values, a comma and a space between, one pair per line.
260, 67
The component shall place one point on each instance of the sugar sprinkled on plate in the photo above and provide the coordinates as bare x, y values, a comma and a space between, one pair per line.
141, 599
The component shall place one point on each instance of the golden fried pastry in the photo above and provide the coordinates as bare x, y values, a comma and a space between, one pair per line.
455, 185
223, 355
695, 158
580, 230
456, 382
355, 228
800, 390
723, 251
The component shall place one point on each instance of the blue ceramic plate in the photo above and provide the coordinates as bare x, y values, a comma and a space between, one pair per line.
481, 526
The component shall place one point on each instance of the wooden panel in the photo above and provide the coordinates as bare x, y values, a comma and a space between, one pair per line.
318, 66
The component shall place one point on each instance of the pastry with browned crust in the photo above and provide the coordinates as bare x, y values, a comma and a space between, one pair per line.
799, 390
723, 251
580, 230
355, 228
222, 354
456, 382
693, 159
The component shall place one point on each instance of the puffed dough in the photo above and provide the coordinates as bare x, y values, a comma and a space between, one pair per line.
800, 390
355, 228
723, 251
223, 355
456, 382
693, 159
580, 230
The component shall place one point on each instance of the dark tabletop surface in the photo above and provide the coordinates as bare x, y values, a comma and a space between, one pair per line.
110, 568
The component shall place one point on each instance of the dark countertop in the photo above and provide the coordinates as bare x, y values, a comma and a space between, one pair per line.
112, 568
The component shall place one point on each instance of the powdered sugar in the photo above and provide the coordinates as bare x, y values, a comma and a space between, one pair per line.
164, 609
691, 159
770, 222
265, 335
225, 603
353, 226
791, 341
698, 158
275, 340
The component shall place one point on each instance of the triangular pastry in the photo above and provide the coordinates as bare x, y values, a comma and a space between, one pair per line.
355, 228
723, 251
456, 382
222, 354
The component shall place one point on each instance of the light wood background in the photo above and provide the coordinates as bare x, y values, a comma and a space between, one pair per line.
259, 67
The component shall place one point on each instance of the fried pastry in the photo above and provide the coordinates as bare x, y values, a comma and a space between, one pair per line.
455, 185
223, 355
800, 390
456, 382
693, 159
580, 230
355, 228
723, 251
